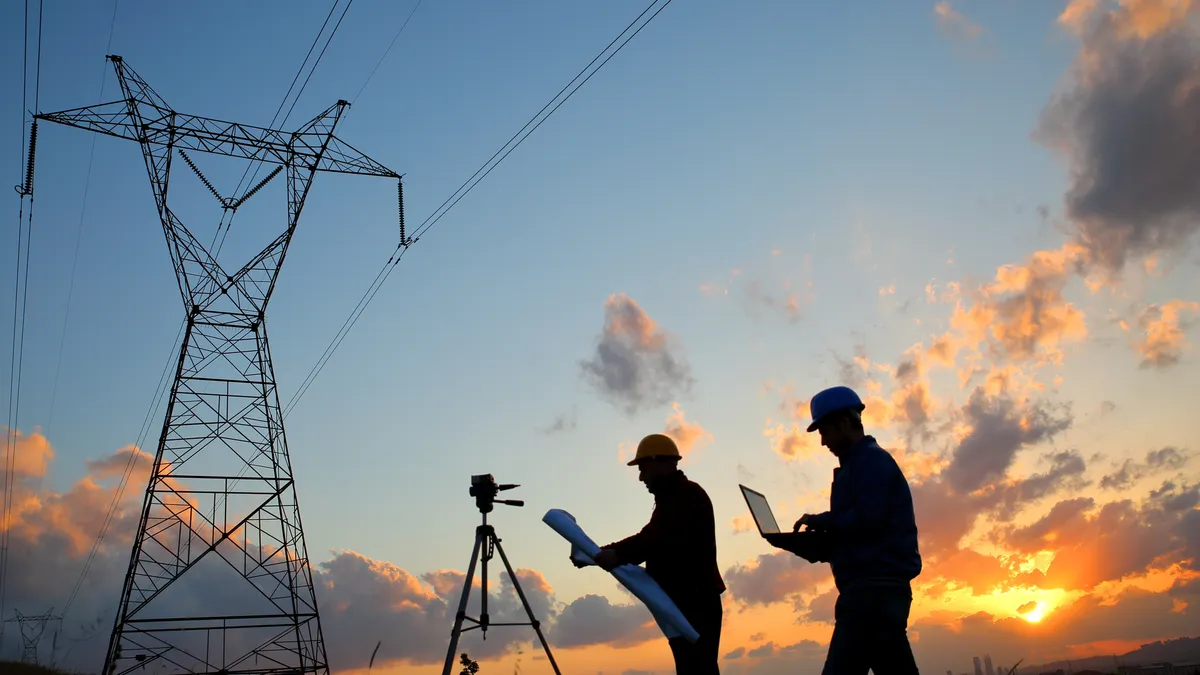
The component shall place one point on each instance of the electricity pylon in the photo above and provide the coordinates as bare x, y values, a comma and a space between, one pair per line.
219, 578
31, 628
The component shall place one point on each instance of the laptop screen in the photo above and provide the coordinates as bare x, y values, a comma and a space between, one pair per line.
761, 510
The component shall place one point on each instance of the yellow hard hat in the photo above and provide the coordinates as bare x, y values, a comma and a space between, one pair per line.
655, 445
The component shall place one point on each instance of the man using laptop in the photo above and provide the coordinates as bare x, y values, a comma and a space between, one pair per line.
872, 535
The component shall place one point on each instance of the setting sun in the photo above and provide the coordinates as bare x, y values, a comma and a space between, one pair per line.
1036, 614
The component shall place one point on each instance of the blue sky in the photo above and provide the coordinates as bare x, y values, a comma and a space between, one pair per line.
854, 139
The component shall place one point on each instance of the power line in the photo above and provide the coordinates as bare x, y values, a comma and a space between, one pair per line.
159, 391
392, 44
462, 191
258, 164
87, 182
20, 298
288, 93
386, 52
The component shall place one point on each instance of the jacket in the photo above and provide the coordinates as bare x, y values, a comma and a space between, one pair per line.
872, 527
679, 544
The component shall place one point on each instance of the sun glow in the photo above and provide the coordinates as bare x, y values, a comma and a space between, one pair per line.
1036, 614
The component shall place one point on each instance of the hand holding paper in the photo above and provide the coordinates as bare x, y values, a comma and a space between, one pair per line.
670, 620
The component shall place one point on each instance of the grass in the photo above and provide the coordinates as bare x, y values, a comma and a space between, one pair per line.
18, 668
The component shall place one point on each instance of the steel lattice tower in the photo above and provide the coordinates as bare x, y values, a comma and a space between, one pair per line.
31, 628
221, 498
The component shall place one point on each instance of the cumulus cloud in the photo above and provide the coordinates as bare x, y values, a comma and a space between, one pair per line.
1093, 544
592, 619
820, 608
998, 429
741, 523
1076, 14
774, 577
688, 436
971, 569
1022, 314
791, 443
1066, 473
1126, 118
1157, 461
953, 24
805, 656
1163, 339
636, 364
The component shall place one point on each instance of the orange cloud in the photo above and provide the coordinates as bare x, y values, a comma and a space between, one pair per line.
1131, 19
774, 577
1094, 544
1144, 19
953, 24
917, 465
791, 443
687, 435
33, 453
1076, 14
1163, 342
943, 350
742, 523
75, 517
1023, 314
981, 573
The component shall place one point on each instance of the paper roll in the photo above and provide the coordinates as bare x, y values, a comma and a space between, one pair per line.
633, 577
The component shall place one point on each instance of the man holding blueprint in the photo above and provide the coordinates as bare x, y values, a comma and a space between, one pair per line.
679, 547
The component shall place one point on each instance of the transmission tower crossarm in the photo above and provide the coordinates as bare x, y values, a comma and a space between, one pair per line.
218, 137
145, 117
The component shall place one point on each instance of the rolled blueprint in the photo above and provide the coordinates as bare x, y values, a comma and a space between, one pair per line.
633, 577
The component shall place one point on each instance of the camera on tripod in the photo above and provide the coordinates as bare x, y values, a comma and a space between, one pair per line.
484, 489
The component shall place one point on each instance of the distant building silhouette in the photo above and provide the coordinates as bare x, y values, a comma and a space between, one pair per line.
987, 665
978, 666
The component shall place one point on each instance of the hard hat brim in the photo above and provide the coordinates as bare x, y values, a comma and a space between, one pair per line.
638, 460
817, 422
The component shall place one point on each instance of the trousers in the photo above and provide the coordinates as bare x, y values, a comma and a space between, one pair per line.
870, 631
699, 658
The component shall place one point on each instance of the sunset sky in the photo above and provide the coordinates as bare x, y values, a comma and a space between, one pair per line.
981, 214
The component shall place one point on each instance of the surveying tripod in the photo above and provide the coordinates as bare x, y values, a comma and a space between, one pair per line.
484, 489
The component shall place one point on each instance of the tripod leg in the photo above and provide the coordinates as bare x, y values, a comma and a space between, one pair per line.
537, 628
462, 606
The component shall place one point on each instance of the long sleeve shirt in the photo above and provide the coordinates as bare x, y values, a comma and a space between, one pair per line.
871, 519
679, 544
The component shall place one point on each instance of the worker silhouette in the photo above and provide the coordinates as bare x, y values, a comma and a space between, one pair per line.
870, 536
679, 547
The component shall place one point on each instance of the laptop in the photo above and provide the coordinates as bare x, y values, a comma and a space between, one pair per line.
812, 546
761, 510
